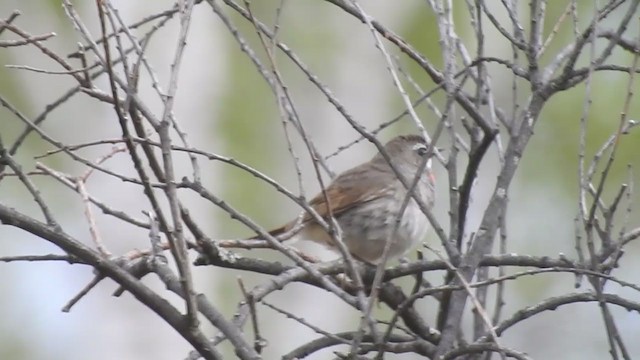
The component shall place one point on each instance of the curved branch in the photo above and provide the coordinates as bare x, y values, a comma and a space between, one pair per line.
111, 269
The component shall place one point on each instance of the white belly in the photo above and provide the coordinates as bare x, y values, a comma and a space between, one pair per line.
411, 231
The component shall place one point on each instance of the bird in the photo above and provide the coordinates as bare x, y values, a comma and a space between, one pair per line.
367, 199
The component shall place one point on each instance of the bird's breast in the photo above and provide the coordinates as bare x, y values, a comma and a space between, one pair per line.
414, 224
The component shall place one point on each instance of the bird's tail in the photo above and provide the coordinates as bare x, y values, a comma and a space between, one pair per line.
275, 233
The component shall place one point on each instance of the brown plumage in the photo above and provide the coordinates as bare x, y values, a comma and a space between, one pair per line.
367, 199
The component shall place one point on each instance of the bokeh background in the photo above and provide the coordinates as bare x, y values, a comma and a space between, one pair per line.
226, 107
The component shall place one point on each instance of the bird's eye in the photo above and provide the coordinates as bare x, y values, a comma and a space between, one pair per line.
421, 149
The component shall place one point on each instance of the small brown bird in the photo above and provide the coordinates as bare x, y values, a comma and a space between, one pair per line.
367, 199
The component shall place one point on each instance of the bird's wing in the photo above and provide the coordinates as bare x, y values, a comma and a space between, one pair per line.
348, 191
